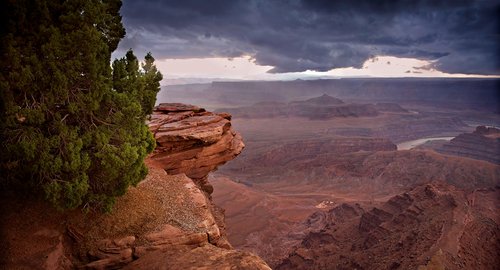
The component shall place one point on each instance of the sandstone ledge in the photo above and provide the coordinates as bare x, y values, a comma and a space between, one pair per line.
193, 141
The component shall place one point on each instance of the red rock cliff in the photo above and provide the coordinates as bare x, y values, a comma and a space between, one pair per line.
193, 141
167, 222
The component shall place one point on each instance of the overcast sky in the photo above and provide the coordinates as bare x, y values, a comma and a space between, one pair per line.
317, 36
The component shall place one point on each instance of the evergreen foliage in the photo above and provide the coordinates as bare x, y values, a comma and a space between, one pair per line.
71, 126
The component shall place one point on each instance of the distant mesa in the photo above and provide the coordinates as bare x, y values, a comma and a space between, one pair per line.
323, 112
482, 144
460, 93
265, 109
326, 107
472, 93
317, 108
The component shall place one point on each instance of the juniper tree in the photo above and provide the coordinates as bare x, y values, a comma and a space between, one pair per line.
72, 128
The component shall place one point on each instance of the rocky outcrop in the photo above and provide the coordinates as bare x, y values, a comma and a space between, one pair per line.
157, 225
193, 141
482, 144
433, 226
202, 257
168, 221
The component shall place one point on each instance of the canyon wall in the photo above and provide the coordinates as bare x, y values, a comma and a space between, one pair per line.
482, 144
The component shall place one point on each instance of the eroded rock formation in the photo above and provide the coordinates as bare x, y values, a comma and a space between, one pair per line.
430, 227
289, 178
482, 144
306, 150
193, 141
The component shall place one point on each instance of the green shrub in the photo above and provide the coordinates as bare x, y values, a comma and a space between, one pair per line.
72, 127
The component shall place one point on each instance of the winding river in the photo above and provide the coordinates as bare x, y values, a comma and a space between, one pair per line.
411, 144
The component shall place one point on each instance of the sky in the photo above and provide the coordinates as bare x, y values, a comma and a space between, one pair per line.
198, 40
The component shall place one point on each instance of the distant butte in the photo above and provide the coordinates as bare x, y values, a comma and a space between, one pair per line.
324, 100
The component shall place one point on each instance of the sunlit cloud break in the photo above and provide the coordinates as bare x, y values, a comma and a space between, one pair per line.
246, 68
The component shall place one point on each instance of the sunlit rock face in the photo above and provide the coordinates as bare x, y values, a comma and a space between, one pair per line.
193, 141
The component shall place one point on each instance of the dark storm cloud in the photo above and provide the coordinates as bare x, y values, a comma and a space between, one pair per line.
319, 35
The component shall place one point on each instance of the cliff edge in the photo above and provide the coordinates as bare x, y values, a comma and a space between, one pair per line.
193, 141
167, 222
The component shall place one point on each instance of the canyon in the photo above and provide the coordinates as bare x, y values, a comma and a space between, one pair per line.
281, 193
314, 180
273, 207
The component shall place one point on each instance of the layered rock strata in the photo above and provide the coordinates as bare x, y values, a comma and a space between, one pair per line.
306, 150
193, 141
482, 144
433, 226
293, 181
